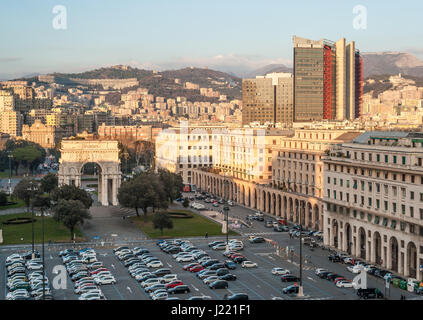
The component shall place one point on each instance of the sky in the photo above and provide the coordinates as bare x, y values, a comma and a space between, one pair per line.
165, 34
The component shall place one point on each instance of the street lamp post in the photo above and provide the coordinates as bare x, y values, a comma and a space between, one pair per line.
32, 189
10, 172
300, 289
44, 262
226, 209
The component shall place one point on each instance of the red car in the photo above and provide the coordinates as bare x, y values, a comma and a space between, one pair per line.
173, 284
236, 255
98, 270
196, 268
188, 266
338, 279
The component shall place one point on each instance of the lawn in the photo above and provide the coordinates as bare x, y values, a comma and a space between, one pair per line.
19, 204
197, 226
54, 231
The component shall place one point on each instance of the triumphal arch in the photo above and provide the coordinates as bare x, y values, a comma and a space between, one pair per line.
76, 153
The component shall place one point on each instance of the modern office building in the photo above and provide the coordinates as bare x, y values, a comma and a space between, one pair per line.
268, 99
374, 200
328, 80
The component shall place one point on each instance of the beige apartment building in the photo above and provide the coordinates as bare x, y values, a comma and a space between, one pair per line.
268, 99
374, 200
11, 123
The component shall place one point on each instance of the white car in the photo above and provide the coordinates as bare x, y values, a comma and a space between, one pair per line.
344, 284
355, 269
150, 282
105, 280
280, 271
102, 274
187, 258
249, 264
210, 279
319, 271
155, 264
160, 296
141, 275
34, 266
220, 246
93, 294
168, 278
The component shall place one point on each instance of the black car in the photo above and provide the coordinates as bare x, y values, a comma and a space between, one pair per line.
332, 276
323, 275
257, 240
240, 259
237, 296
372, 270
219, 284
291, 289
162, 272
179, 289
209, 263
28, 255
334, 258
148, 276
222, 271
370, 293
216, 266
228, 277
289, 278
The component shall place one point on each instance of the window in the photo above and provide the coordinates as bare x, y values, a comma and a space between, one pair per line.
377, 203
394, 207
386, 158
394, 159
403, 160
412, 195
378, 157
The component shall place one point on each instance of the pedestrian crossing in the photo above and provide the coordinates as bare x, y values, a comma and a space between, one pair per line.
261, 233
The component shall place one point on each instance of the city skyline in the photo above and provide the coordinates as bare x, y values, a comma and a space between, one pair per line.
151, 41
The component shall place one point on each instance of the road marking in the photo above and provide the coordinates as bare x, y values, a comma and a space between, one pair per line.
195, 288
103, 254
113, 266
129, 289
310, 278
170, 266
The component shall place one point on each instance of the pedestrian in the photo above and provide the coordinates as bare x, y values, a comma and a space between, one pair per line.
207, 235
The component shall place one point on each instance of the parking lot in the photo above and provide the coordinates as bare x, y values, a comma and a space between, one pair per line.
258, 283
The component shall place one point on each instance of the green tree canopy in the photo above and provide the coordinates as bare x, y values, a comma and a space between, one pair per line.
26, 189
162, 220
71, 192
142, 192
172, 184
71, 213
49, 182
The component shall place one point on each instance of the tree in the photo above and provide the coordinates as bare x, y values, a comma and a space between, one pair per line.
71, 192
28, 155
71, 213
25, 190
42, 203
162, 220
143, 191
172, 184
3, 198
185, 203
49, 183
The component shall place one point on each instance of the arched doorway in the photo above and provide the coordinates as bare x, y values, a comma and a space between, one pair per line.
362, 243
335, 233
412, 259
394, 254
377, 242
348, 238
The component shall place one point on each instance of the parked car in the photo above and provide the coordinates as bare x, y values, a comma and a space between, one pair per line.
370, 293
289, 278
248, 264
237, 296
179, 289
291, 289
280, 271
219, 284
